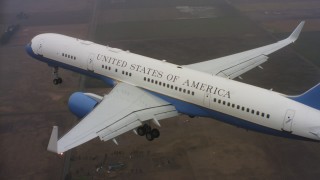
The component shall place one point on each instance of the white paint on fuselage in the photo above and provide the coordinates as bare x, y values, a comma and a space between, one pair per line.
224, 90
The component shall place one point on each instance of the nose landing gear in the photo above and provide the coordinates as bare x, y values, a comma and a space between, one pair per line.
57, 80
147, 131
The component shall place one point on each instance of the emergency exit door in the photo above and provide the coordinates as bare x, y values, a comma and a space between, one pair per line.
90, 62
288, 120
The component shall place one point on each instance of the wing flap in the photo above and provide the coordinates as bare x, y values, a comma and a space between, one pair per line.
124, 109
121, 130
238, 69
135, 119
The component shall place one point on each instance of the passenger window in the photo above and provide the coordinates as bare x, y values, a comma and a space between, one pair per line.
102, 66
232, 105
184, 90
156, 82
219, 101
258, 113
223, 102
176, 88
144, 78
252, 111
262, 114
192, 93
151, 80
268, 116
62, 54
214, 99
242, 108
248, 110
160, 83
238, 107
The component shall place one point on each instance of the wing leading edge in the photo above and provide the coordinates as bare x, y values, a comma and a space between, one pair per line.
124, 109
234, 65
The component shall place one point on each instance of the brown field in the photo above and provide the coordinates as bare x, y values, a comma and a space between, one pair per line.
286, 26
277, 6
198, 148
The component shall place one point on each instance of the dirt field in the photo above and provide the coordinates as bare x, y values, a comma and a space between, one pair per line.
175, 30
30, 103
278, 17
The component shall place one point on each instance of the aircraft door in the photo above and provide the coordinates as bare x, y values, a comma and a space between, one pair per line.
288, 120
90, 62
206, 99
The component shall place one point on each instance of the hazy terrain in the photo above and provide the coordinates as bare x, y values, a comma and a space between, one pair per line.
181, 32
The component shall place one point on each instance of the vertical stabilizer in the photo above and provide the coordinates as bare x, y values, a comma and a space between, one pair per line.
310, 98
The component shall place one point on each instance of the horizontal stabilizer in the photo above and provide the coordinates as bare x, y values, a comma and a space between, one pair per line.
53, 142
310, 98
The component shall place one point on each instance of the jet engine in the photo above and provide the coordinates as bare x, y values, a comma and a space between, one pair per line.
81, 104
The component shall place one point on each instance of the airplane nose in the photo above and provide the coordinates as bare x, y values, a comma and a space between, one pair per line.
28, 49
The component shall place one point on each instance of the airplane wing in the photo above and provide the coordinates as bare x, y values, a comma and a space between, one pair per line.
234, 65
123, 109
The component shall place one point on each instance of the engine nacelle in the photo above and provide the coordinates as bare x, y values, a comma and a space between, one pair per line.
80, 104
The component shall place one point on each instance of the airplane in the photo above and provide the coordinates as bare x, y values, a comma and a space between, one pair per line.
147, 90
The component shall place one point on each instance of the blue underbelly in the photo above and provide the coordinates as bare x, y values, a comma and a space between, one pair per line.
195, 110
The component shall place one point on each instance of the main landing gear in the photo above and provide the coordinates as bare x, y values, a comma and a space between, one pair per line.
147, 131
57, 80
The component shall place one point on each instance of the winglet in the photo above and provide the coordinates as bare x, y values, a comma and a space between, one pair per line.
53, 142
295, 34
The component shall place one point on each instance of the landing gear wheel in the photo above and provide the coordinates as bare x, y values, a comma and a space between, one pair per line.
59, 80
147, 128
141, 131
149, 136
55, 81
155, 133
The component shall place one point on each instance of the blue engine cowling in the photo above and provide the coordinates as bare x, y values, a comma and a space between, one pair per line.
81, 104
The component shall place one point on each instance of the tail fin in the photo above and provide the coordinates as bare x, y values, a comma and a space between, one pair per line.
310, 98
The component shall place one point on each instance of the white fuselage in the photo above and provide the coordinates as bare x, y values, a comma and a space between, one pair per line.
253, 104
